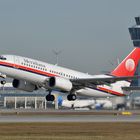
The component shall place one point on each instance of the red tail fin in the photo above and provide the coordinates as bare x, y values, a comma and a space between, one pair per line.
129, 65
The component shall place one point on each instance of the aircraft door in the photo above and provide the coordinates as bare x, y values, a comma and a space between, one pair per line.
16, 62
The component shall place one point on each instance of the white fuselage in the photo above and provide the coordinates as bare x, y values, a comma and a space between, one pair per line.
37, 72
106, 104
78, 103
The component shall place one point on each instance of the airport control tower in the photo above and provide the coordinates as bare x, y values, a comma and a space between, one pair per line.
135, 36
135, 32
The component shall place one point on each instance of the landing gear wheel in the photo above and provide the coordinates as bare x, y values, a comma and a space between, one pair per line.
50, 97
71, 97
3, 82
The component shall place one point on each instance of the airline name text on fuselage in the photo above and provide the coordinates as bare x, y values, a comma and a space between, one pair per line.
33, 63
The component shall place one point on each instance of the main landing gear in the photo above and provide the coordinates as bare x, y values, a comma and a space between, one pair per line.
50, 97
71, 97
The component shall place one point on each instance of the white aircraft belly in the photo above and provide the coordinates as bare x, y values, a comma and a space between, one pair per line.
20, 74
93, 92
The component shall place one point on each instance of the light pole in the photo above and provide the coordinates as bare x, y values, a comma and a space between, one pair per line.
57, 53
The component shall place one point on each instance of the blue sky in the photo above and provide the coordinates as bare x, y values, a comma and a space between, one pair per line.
90, 33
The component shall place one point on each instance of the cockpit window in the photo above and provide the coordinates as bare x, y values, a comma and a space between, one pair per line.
2, 57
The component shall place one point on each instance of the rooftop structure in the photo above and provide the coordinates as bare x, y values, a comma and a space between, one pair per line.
135, 32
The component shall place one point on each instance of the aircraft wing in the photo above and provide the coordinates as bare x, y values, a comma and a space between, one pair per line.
100, 81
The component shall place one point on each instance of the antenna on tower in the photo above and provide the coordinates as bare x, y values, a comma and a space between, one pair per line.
57, 53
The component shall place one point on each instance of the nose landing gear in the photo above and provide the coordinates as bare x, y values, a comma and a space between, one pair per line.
3, 82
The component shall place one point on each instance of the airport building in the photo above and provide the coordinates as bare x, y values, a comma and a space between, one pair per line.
12, 98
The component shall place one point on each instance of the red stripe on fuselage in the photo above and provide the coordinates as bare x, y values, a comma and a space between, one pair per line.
111, 91
27, 69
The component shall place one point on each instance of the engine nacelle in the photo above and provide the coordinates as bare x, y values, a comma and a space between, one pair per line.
60, 84
24, 85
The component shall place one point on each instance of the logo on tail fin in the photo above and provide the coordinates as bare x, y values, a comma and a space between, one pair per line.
130, 65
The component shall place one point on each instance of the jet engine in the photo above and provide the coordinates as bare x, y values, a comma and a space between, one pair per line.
60, 84
24, 85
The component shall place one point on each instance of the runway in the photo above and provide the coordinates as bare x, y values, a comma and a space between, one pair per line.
68, 118
20, 115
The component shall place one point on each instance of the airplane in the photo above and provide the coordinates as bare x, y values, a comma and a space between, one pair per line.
86, 103
90, 104
30, 74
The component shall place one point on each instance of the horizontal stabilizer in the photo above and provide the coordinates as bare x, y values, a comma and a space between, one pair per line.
134, 88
